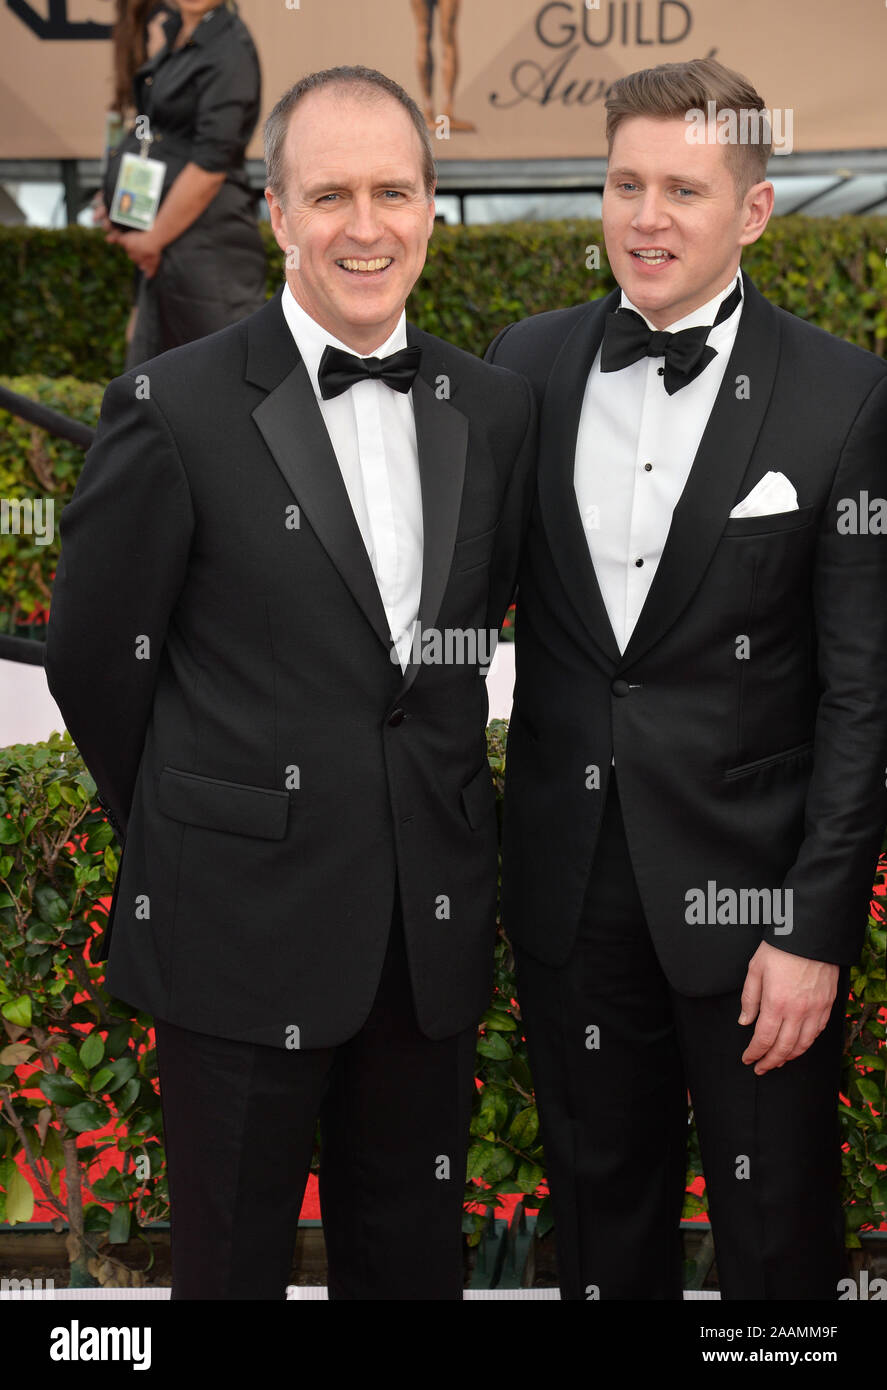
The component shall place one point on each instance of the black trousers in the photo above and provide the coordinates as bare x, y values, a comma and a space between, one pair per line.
239, 1121
614, 1049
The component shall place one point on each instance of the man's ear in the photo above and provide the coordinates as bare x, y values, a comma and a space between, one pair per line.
758, 204
276, 215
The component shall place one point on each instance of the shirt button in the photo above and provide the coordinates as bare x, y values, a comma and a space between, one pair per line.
648, 468
660, 371
639, 563
148, 81
396, 717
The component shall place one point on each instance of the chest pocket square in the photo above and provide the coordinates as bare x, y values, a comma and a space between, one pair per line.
774, 493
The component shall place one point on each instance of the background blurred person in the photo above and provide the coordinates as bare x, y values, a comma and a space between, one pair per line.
203, 262
138, 35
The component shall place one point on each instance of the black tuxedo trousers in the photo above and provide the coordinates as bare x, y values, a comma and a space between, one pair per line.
613, 1110
239, 1124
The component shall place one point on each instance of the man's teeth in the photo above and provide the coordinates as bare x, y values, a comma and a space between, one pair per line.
378, 264
652, 257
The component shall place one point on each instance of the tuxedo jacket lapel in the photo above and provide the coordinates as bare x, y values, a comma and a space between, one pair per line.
718, 468
292, 426
561, 409
442, 443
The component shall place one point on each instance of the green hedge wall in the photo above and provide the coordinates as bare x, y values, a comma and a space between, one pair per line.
67, 294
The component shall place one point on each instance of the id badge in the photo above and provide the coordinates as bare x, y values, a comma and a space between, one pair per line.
138, 191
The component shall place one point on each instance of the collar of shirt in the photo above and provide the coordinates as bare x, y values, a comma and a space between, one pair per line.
311, 339
706, 313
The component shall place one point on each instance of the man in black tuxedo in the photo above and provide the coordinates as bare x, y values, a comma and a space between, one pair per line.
280, 570
695, 793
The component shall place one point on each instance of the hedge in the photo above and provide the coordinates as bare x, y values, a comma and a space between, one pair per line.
67, 294
78, 1061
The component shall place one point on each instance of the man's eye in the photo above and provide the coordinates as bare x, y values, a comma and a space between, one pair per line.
393, 193
327, 197
626, 186
689, 191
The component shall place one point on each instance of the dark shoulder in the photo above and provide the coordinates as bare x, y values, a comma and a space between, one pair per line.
829, 357
193, 371
470, 380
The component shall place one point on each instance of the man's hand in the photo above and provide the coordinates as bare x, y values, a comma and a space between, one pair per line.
792, 998
141, 247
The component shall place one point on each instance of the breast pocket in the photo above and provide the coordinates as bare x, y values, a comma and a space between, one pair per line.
474, 552
739, 526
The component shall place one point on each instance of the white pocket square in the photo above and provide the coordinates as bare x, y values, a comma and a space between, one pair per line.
774, 493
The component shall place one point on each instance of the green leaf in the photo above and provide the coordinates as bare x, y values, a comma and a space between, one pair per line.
121, 1071
118, 1231
19, 1198
96, 1218
499, 1164
110, 1187
60, 1089
9, 832
87, 1116
869, 1090
499, 1022
100, 836
530, 1175
92, 1049
100, 1079
524, 1127
495, 1046
51, 906
18, 1011
126, 1098
53, 1150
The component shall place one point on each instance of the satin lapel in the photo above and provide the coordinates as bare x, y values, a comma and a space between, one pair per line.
717, 472
292, 426
559, 428
442, 444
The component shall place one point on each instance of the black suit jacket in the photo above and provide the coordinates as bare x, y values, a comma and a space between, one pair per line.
220, 652
765, 773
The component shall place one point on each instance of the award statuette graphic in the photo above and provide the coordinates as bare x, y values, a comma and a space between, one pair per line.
423, 13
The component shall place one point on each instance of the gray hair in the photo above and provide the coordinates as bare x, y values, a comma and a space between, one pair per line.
366, 81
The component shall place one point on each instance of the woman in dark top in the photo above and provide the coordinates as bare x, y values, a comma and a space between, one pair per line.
203, 262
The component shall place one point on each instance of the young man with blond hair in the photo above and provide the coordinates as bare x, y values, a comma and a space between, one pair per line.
695, 793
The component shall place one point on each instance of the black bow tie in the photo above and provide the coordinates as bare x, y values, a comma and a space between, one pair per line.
338, 370
627, 339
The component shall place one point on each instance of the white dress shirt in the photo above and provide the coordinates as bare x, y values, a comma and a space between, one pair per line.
373, 434
634, 451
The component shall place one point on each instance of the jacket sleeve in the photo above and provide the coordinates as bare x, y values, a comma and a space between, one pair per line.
228, 101
846, 809
125, 539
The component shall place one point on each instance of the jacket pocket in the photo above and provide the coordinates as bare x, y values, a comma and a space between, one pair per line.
739, 526
479, 797
475, 551
800, 751
215, 804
